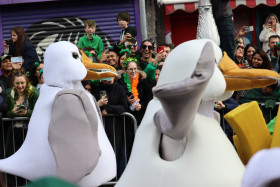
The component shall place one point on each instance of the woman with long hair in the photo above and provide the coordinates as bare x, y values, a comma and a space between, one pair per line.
21, 98
147, 49
248, 52
21, 46
124, 53
137, 88
260, 60
271, 27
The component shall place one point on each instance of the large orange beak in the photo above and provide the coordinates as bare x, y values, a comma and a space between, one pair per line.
97, 70
245, 79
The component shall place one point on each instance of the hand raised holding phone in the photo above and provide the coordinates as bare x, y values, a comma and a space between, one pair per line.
17, 62
130, 98
103, 101
103, 98
138, 107
20, 109
269, 24
161, 55
249, 29
7, 43
126, 38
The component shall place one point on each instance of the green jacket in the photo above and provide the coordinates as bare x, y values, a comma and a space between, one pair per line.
150, 70
11, 102
96, 43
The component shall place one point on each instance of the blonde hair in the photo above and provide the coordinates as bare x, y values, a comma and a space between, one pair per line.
271, 14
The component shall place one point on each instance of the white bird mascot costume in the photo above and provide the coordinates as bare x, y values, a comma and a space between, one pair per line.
65, 137
179, 143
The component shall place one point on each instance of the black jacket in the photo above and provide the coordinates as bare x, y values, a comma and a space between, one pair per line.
131, 30
145, 95
28, 53
117, 103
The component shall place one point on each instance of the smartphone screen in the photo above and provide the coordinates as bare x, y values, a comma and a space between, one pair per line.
102, 93
130, 94
160, 49
133, 40
249, 29
21, 107
8, 42
16, 59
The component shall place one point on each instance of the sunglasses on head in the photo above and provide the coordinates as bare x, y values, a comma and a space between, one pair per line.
150, 47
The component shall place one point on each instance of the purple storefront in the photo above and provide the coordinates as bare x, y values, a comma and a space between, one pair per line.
48, 21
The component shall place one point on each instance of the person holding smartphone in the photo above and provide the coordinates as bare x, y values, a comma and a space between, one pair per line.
112, 100
162, 52
21, 47
21, 98
137, 88
271, 27
128, 33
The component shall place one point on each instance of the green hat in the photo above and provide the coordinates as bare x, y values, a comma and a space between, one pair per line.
5, 57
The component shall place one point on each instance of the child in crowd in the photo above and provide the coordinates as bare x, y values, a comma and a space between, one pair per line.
90, 39
128, 33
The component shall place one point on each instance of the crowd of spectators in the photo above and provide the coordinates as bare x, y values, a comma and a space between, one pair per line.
251, 57
138, 67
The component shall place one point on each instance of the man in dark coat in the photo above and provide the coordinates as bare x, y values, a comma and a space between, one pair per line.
111, 98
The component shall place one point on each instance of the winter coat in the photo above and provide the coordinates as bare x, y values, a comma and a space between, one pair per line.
266, 33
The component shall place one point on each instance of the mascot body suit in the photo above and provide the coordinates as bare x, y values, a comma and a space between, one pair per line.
64, 139
179, 143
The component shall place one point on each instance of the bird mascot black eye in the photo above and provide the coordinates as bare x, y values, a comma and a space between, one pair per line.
75, 55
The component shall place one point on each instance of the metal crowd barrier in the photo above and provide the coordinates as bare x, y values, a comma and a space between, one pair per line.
13, 132
126, 117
